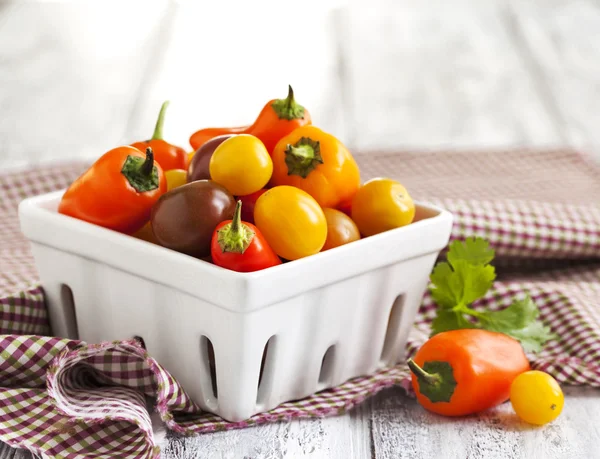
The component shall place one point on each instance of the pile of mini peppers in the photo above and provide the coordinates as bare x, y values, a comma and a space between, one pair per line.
246, 198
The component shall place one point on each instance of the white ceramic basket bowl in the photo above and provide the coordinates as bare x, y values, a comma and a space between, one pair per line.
327, 318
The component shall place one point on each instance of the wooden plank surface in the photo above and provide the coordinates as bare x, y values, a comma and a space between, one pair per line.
338, 437
402, 429
390, 75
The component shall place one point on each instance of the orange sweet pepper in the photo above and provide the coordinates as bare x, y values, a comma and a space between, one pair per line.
466, 371
318, 163
117, 191
278, 118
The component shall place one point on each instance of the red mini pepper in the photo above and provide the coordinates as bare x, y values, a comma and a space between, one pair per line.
167, 155
240, 246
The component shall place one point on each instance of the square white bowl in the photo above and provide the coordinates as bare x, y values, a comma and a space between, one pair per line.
239, 343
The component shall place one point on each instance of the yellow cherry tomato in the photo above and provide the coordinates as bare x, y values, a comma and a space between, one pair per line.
241, 164
190, 155
380, 205
175, 178
536, 397
291, 221
340, 229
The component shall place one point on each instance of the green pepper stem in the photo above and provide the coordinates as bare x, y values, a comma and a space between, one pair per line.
303, 152
303, 157
148, 165
429, 378
236, 222
158, 129
235, 236
436, 379
289, 100
141, 173
288, 108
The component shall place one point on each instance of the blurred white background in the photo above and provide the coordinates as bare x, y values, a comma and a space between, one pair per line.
79, 77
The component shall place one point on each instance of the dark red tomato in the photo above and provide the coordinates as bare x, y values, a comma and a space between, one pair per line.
198, 168
248, 203
346, 207
185, 217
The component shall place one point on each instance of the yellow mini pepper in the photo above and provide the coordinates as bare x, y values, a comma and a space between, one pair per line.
318, 163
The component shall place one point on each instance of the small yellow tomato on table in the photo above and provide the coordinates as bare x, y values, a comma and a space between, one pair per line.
536, 397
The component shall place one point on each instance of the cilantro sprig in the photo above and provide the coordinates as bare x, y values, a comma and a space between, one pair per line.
465, 277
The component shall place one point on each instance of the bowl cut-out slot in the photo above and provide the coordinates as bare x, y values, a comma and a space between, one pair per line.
267, 370
393, 327
70, 315
209, 368
327, 363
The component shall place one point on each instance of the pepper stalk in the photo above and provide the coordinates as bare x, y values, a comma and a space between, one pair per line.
235, 236
158, 129
288, 108
436, 379
141, 173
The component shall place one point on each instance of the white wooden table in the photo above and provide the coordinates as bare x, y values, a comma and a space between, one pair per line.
76, 78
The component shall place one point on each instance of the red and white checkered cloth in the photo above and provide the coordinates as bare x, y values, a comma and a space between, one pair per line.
539, 209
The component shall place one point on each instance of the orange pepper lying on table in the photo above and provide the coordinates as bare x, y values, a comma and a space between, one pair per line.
465, 371
278, 118
117, 191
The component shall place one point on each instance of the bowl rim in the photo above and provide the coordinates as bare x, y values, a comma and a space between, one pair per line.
38, 204
239, 291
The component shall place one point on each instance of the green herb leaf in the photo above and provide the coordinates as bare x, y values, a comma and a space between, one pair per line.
519, 321
446, 320
446, 289
464, 280
518, 315
475, 251
466, 277
476, 280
